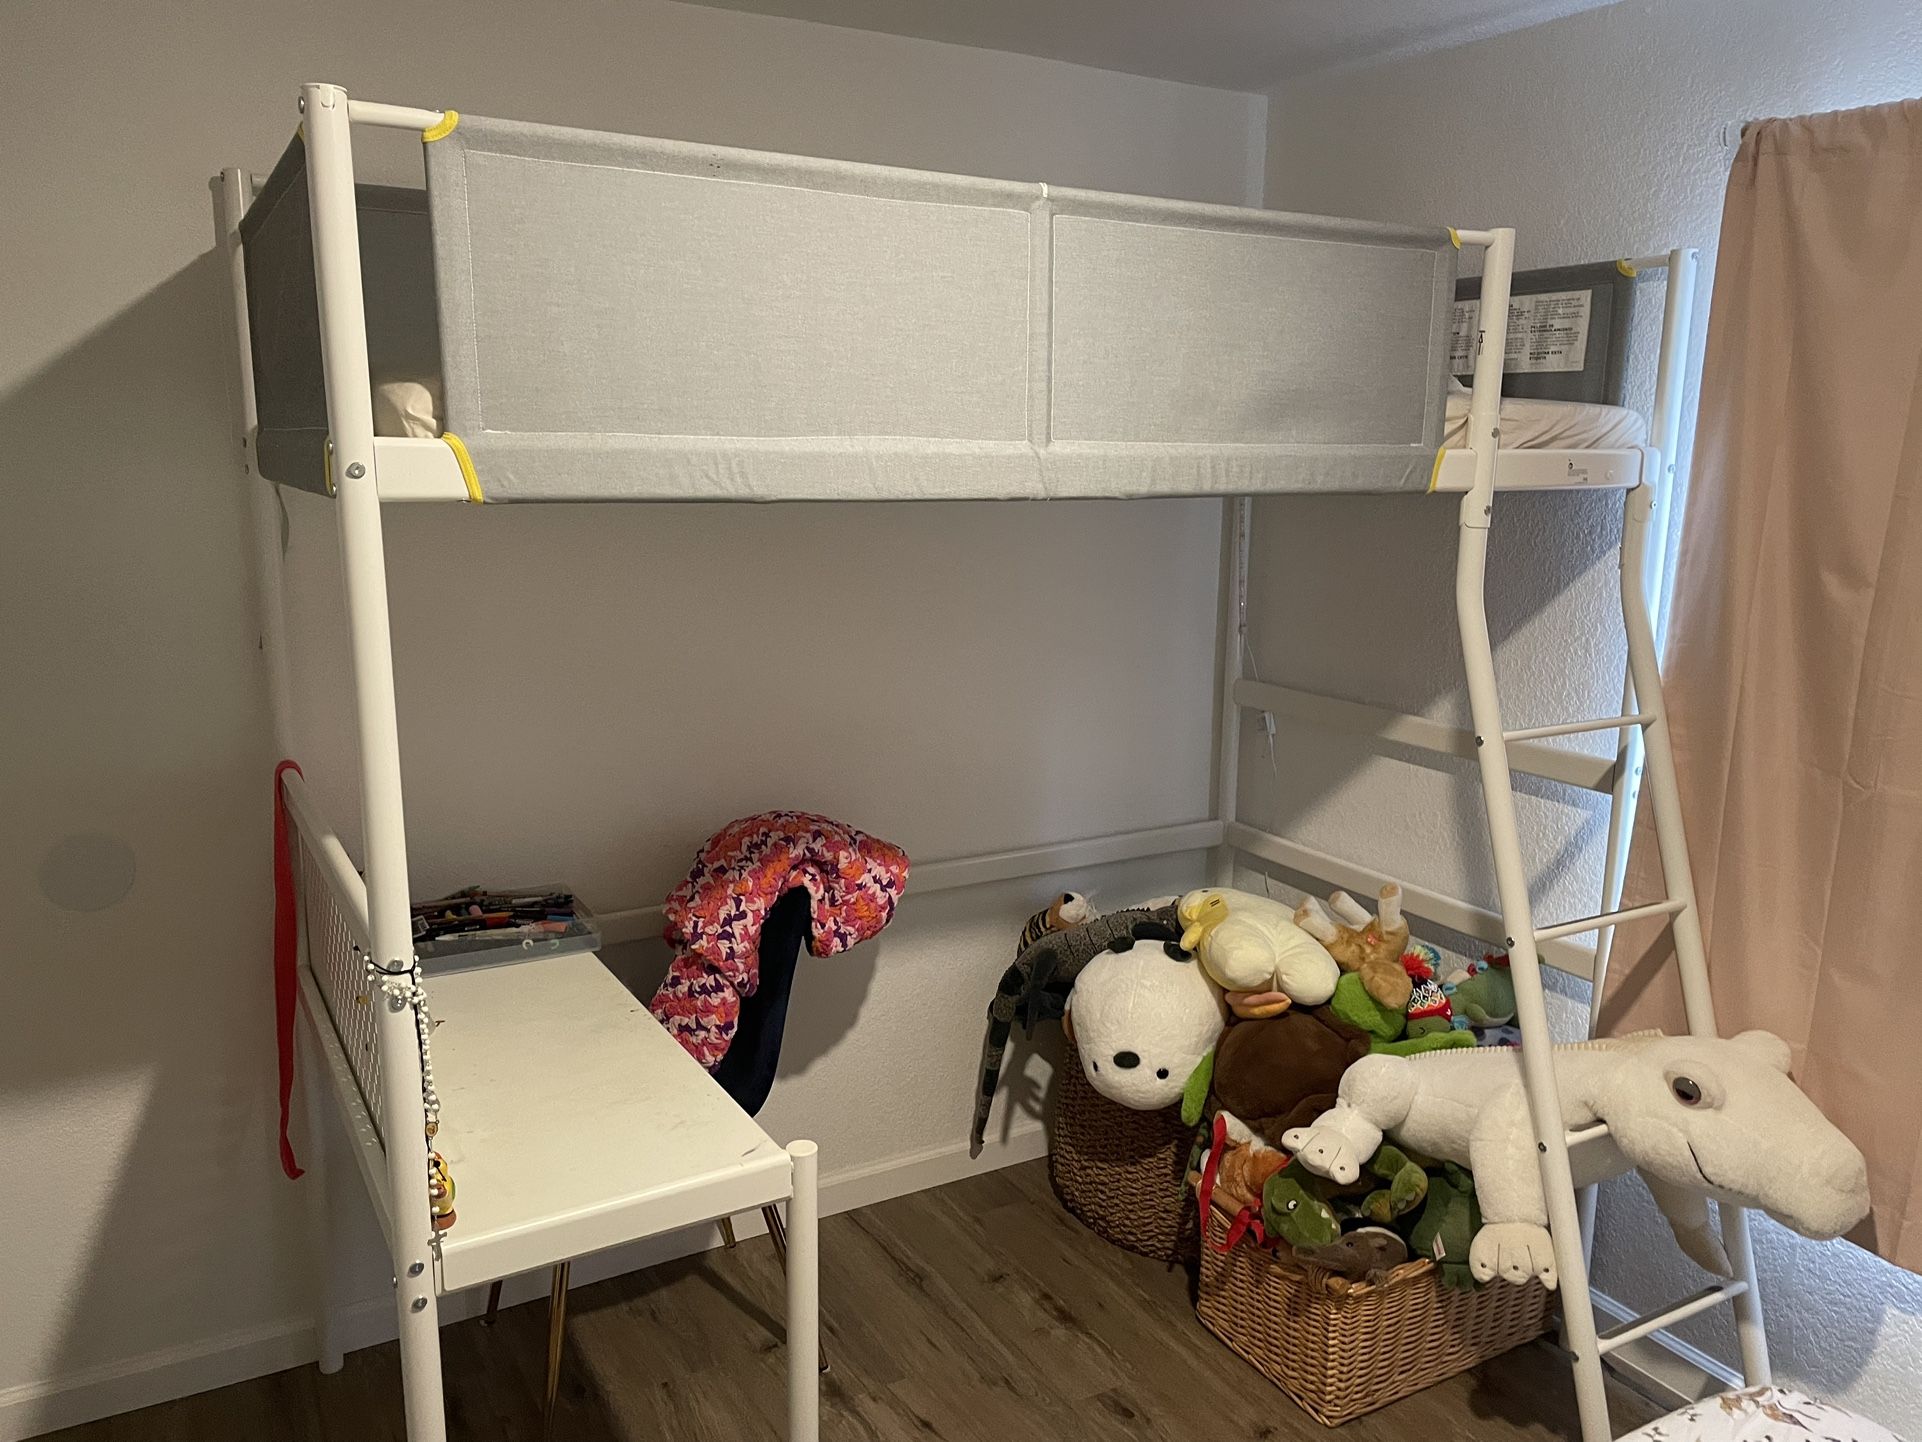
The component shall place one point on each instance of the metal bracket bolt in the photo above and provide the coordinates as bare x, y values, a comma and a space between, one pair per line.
356, 471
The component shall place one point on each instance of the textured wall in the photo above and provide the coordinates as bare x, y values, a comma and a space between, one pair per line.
1596, 136
648, 674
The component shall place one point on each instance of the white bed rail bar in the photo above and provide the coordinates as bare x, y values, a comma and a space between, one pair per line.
1418, 901
393, 117
644, 922
1547, 470
1551, 763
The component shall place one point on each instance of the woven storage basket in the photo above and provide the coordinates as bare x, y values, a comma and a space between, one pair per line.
1339, 1356
1121, 1171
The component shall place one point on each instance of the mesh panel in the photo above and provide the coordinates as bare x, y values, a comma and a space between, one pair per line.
337, 956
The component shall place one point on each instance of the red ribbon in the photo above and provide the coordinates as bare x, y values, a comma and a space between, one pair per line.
286, 963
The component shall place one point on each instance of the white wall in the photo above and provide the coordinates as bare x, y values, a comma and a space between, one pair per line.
1597, 136
668, 668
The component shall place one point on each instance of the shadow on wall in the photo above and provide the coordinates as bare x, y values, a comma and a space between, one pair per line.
1355, 601
143, 1205
828, 994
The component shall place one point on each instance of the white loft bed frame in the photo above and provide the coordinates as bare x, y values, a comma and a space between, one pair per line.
522, 1207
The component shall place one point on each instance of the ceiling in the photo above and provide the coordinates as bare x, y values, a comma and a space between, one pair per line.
1233, 44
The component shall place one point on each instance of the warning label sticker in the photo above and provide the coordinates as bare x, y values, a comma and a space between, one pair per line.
1546, 332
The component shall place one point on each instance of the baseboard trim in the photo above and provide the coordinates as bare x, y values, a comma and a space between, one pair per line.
1661, 1366
31, 1408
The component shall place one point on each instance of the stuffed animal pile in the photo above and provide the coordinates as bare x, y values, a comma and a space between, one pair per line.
1352, 1078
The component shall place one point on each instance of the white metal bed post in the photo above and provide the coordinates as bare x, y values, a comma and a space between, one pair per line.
1671, 369
1678, 308
1691, 961
350, 423
1511, 873
1238, 521
234, 191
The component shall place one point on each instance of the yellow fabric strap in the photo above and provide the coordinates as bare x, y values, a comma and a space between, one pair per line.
1455, 236
448, 120
1627, 268
1434, 474
466, 464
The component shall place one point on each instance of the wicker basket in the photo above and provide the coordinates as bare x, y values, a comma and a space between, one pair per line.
1121, 1171
1340, 1353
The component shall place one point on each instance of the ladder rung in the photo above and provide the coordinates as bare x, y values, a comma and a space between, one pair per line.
1593, 1132
1610, 918
1574, 728
1668, 1316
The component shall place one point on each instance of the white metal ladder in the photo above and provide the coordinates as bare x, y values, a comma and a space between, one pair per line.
1643, 719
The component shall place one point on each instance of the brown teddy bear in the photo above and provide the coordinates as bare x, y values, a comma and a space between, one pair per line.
1368, 945
1273, 1072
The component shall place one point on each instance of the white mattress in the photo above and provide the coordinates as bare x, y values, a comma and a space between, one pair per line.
1532, 425
412, 408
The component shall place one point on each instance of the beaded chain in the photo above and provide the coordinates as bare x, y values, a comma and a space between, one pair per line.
404, 989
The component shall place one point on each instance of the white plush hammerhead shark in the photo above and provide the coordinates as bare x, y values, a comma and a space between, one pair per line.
1700, 1117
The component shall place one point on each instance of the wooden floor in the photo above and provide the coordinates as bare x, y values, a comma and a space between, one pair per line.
979, 1310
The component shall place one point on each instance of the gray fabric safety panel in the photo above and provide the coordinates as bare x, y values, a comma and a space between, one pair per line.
670, 305
283, 316
650, 319
1172, 333
1601, 379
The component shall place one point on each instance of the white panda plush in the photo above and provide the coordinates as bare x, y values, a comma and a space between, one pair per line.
1145, 1019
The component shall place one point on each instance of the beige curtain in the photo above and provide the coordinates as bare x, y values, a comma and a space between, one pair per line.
1795, 654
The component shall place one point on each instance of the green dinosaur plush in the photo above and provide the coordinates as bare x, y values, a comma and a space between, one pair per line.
1293, 1212
1305, 1210
1484, 992
1352, 1003
1406, 1189
1448, 1224
1384, 1025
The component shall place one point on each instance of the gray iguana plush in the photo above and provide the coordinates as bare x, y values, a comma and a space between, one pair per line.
1035, 988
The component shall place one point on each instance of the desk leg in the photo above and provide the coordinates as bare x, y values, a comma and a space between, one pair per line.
804, 1297
556, 1342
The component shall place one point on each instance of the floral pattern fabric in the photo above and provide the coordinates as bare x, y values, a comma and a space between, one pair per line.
714, 917
1762, 1414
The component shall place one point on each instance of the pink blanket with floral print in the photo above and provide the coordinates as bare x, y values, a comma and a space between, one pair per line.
714, 917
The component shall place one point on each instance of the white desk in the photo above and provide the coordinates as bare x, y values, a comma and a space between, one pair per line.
572, 1122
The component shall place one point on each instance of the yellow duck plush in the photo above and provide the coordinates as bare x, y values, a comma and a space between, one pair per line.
1255, 952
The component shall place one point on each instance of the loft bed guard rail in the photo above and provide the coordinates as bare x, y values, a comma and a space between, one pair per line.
606, 317
744, 326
